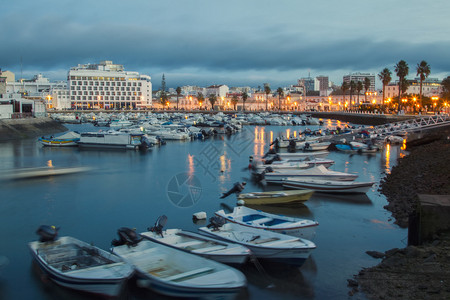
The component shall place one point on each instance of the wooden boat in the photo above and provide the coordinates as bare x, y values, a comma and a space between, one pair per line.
68, 139
258, 219
318, 172
328, 186
275, 197
195, 243
177, 273
80, 266
264, 244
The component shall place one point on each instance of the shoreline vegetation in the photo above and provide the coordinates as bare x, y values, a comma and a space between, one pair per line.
414, 272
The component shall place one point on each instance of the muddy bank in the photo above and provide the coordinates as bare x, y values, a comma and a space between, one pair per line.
415, 272
13, 129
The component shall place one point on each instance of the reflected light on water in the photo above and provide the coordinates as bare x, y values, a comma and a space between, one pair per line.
288, 133
403, 145
259, 142
225, 168
50, 164
388, 155
191, 165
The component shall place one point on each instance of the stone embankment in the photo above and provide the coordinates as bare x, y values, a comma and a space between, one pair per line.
415, 272
13, 129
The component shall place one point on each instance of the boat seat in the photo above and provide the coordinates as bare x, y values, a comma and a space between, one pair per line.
186, 275
260, 221
188, 244
262, 241
209, 249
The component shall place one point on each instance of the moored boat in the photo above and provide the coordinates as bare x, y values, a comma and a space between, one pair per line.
67, 139
275, 197
113, 140
264, 244
78, 265
328, 186
177, 273
318, 172
258, 219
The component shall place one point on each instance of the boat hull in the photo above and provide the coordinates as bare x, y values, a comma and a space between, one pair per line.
265, 199
353, 188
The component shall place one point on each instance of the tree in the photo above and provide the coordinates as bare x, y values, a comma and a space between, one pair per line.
344, 88
366, 87
267, 91
178, 94
244, 99
212, 99
234, 100
280, 94
402, 70
164, 97
200, 98
423, 70
359, 87
352, 89
385, 77
446, 88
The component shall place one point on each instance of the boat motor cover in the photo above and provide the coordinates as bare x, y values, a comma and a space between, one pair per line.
47, 233
159, 225
216, 222
127, 236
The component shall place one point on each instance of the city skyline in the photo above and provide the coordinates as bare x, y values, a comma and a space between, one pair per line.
233, 43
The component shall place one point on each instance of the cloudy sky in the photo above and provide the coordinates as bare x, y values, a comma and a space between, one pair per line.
232, 42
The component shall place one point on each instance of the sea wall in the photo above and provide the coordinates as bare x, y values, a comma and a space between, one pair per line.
362, 118
13, 129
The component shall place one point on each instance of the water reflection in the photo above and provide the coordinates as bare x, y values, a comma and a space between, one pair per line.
295, 210
359, 199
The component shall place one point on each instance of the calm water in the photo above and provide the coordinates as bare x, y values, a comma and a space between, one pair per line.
127, 188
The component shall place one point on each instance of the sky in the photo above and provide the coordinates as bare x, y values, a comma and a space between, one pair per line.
236, 43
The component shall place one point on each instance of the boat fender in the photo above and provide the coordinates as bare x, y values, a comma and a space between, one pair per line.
241, 203
199, 215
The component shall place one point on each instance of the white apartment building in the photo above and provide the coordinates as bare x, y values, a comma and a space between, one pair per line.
218, 90
430, 87
361, 77
106, 86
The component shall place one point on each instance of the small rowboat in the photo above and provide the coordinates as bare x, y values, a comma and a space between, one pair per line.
80, 266
177, 273
264, 244
68, 139
328, 186
318, 172
195, 243
258, 219
275, 197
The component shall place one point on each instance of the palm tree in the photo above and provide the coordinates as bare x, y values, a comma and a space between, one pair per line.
366, 87
385, 77
359, 87
423, 70
244, 98
402, 70
344, 88
200, 98
212, 99
352, 89
178, 90
280, 94
267, 91
234, 100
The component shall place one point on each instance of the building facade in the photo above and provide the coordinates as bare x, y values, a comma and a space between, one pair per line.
431, 87
355, 77
107, 86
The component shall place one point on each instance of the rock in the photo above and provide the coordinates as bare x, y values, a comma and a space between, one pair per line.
375, 254
430, 258
352, 283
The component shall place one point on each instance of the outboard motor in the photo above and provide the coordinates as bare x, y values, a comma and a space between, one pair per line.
159, 225
47, 233
127, 236
216, 222
271, 151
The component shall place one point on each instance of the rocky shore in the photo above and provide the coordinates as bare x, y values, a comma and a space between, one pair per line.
415, 272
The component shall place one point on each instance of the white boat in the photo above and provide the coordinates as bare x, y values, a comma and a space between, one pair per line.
77, 265
296, 155
177, 273
328, 186
167, 134
258, 219
119, 124
264, 244
195, 243
318, 146
113, 140
67, 139
318, 172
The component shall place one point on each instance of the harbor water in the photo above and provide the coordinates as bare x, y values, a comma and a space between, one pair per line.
131, 189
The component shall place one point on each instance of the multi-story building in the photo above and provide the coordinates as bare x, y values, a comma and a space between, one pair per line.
322, 85
107, 85
59, 97
430, 87
38, 86
307, 83
355, 77
218, 90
